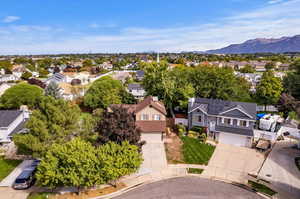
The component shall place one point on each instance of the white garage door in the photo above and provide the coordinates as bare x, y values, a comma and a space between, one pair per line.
152, 137
232, 139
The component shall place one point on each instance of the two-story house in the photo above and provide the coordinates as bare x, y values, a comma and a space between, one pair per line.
12, 122
226, 121
150, 116
136, 90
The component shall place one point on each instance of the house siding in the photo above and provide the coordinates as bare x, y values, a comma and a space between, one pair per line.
150, 112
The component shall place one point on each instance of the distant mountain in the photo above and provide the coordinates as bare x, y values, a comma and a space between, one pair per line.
262, 45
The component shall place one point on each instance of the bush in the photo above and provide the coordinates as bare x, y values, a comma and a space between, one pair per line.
202, 137
193, 134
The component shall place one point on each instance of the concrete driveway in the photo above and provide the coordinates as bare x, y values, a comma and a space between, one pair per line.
233, 163
280, 169
9, 180
10, 193
189, 188
154, 157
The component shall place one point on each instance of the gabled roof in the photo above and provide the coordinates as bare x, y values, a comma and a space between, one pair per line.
150, 101
135, 108
8, 116
218, 107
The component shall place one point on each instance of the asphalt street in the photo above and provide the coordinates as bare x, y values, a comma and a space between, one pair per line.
189, 188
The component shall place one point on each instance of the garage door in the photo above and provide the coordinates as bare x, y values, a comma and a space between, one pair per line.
152, 137
232, 139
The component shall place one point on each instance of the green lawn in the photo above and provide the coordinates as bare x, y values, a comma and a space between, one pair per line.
195, 152
6, 166
39, 196
195, 170
261, 188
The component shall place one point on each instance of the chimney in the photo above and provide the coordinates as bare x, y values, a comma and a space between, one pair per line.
25, 111
192, 101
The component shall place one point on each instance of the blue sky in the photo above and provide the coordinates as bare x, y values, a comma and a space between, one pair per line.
81, 26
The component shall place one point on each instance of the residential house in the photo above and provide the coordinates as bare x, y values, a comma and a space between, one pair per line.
57, 78
8, 78
69, 92
150, 115
140, 75
12, 122
252, 78
226, 121
136, 90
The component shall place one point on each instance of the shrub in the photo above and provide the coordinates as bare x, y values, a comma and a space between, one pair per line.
202, 137
193, 134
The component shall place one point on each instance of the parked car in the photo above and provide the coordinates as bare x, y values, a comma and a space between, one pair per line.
25, 179
35, 163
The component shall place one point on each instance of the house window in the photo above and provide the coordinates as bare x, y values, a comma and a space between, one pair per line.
199, 118
243, 123
227, 121
156, 117
144, 117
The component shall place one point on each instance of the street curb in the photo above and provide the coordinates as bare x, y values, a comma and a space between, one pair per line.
127, 189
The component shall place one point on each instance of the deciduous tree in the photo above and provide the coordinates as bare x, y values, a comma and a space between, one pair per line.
21, 94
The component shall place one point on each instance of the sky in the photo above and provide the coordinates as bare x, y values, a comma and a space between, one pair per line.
119, 26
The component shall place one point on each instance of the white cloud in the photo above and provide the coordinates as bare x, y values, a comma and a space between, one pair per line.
275, 1
274, 20
107, 25
10, 19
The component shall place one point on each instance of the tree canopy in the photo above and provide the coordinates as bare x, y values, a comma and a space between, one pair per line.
291, 82
21, 94
269, 89
77, 163
118, 125
54, 121
53, 90
104, 92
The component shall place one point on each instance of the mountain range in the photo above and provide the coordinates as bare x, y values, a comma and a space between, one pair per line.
262, 45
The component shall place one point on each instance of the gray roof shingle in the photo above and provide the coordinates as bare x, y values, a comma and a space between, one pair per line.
217, 106
239, 131
8, 116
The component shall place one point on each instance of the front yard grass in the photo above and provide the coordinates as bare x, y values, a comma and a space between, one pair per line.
297, 162
261, 188
195, 170
196, 152
7, 166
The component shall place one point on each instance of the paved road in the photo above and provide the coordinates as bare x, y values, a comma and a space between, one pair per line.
189, 188
281, 170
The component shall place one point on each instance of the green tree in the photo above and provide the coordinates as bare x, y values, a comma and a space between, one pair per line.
87, 63
270, 66
291, 81
173, 87
73, 163
53, 90
21, 94
103, 92
26, 75
247, 69
219, 83
269, 89
54, 121
119, 160
6, 65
